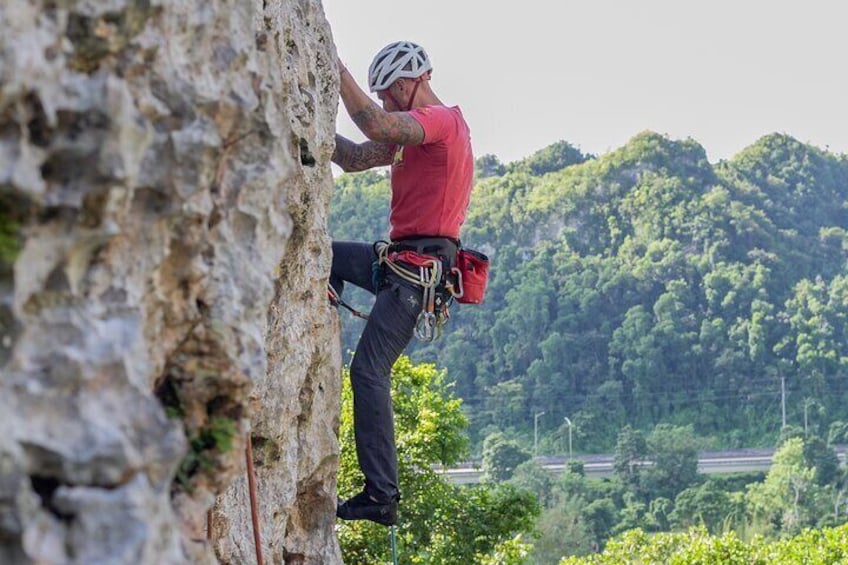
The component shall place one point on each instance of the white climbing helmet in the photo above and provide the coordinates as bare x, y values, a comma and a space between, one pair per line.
401, 59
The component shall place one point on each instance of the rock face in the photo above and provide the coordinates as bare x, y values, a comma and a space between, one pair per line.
164, 182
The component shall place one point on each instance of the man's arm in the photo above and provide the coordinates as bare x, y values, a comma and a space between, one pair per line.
398, 128
352, 157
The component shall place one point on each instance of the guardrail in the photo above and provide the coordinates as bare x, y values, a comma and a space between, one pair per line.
601, 465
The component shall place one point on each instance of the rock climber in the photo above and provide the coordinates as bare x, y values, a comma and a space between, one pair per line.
428, 146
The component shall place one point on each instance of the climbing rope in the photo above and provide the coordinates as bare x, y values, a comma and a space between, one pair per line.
254, 514
430, 268
394, 545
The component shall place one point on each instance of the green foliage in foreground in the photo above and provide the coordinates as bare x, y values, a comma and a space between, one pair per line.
811, 547
804, 488
439, 523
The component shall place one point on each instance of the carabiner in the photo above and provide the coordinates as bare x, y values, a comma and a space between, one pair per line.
425, 326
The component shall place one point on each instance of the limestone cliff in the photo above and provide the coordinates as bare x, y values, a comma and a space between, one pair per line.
164, 182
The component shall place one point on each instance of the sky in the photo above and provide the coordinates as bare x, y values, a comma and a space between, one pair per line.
529, 73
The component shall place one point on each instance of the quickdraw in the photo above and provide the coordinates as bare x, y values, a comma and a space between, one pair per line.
336, 301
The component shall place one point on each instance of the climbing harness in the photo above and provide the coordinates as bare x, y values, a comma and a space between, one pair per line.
429, 276
462, 276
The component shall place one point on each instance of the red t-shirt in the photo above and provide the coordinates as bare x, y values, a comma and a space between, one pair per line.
431, 182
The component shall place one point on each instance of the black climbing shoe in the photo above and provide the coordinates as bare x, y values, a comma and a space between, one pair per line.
364, 507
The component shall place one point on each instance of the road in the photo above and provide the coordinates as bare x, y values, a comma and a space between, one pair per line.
709, 462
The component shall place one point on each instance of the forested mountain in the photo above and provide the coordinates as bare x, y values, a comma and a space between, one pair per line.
645, 286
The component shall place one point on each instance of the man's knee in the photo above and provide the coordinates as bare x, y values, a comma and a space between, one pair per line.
365, 371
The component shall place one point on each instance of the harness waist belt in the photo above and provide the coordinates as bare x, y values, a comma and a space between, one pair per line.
440, 246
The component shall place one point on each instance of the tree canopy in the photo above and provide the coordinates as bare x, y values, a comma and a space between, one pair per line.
645, 286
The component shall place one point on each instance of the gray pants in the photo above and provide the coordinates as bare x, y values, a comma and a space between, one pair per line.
386, 334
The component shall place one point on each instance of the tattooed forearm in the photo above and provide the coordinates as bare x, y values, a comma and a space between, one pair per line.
366, 118
388, 127
352, 157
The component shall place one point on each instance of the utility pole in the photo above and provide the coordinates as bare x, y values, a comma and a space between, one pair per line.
536, 433
568, 423
807, 402
805, 418
783, 397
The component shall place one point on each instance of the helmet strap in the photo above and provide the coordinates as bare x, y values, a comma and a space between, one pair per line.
412, 96
391, 96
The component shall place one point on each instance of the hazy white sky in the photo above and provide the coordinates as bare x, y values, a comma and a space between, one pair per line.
527, 73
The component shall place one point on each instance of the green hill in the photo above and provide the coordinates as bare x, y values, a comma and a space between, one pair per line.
645, 285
